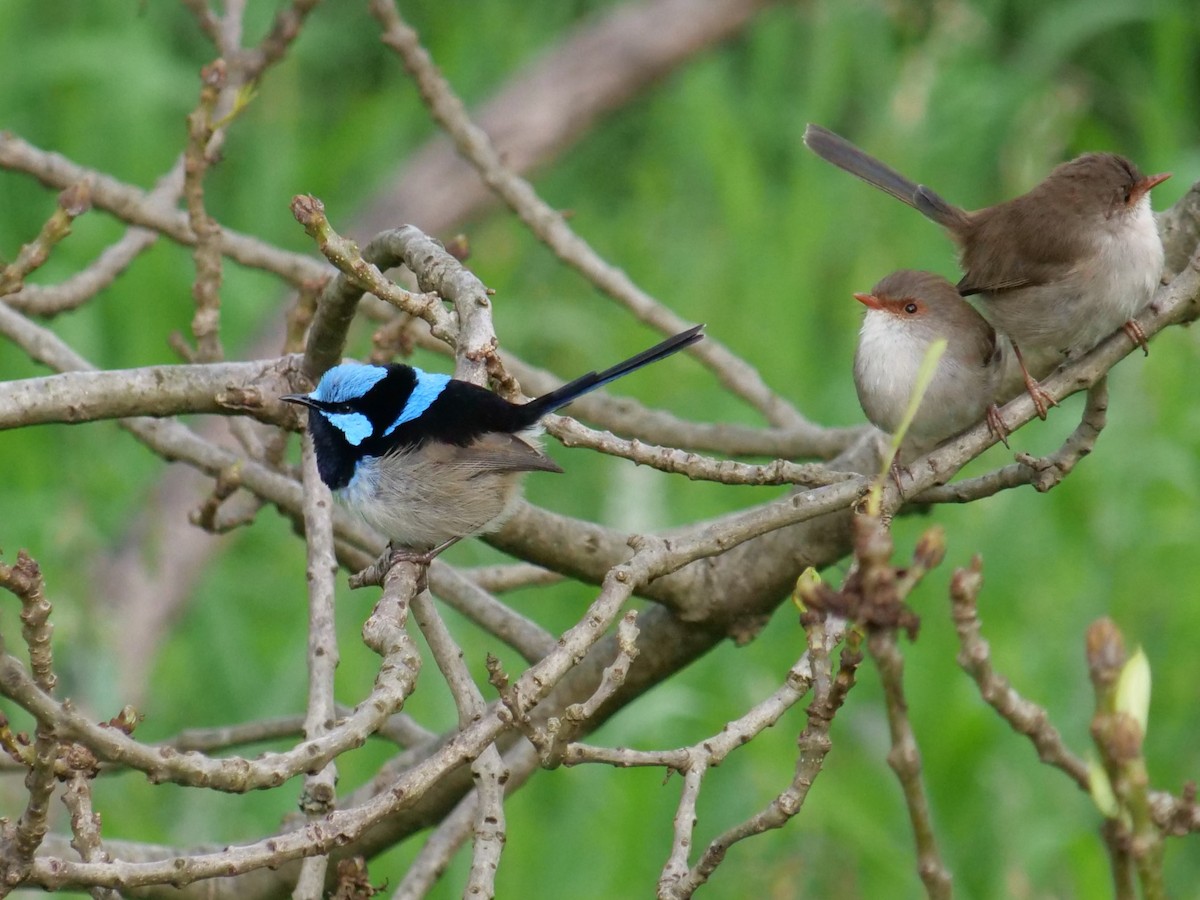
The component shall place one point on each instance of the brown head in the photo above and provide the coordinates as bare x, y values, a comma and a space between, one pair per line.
1103, 183
925, 306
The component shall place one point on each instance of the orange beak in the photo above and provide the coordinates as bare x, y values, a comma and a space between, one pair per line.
869, 300
1142, 188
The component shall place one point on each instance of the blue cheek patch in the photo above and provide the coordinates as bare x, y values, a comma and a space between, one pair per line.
346, 382
355, 426
428, 388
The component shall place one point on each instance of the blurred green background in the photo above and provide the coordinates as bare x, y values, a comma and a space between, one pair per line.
702, 191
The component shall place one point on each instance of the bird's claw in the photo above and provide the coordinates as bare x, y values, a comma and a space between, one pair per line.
1135, 333
898, 473
1042, 401
996, 424
393, 554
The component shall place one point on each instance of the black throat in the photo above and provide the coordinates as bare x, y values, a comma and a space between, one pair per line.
336, 457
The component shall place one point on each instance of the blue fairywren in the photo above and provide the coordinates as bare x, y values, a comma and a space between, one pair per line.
427, 459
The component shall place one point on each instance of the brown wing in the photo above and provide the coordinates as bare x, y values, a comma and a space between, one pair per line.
1017, 244
498, 452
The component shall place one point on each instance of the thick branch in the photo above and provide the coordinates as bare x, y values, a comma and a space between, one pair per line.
88, 396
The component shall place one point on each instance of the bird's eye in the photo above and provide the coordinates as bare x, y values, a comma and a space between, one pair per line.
910, 308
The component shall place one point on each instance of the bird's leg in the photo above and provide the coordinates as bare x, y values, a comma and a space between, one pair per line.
899, 471
1041, 400
377, 571
996, 424
1135, 333
396, 554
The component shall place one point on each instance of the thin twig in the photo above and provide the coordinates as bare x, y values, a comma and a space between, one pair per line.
319, 793
465, 595
137, 207
85, 828
505, 577
694, 466
19, 842
206, 253
548, 225
488, 768
274, 45
1044, 472
813, 744
1023, 716
905, 760
362, 272
72, 203
51, 300
456, 826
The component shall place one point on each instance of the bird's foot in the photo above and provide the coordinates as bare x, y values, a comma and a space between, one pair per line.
393, 555
996, 424
1135, 333
1041, 400
899, 471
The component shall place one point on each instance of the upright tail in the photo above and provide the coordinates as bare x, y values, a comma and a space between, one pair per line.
556, 399
843, 154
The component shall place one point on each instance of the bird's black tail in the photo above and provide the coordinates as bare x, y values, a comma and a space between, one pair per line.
556, 399
843, 154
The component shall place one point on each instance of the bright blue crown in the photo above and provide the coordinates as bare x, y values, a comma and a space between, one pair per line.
347, 382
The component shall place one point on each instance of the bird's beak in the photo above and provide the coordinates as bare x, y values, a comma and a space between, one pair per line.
1142, 188
869, 300
302, 399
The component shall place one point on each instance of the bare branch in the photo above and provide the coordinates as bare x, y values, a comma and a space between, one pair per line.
551, 228
905, 760
814, 744
136, 207
274, 46
695, 467
1045, 472
488, 768
499, 579
465, 595
72, 203
392, 686
364, 272
1023, 716
87, 396
85, 828
456, 826
43, 300
207, 251
557, 100
319, 794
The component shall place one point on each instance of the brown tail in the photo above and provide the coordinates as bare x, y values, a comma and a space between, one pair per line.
843, 154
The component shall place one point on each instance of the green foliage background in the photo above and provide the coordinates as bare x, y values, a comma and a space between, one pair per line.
702, 191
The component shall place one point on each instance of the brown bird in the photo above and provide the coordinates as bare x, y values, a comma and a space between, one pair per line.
906, 312
1057, 269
